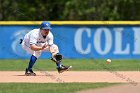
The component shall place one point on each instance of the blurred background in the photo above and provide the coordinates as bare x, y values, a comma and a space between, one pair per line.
56, 10
92, 33
87, 32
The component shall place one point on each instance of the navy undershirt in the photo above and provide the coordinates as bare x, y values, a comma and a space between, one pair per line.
44, 36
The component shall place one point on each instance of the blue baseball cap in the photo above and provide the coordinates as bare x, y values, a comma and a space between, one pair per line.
45, 25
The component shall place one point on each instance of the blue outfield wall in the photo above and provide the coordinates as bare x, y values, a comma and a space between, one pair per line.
77, 41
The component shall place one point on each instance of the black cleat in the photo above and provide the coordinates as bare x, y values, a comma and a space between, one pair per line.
29, 72
63, 68
21, 40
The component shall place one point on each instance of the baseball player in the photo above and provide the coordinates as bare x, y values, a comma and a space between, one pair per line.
38, 40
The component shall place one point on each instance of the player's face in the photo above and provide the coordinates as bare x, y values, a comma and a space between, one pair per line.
45, 32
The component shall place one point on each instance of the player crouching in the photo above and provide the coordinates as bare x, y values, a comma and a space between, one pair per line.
40, 40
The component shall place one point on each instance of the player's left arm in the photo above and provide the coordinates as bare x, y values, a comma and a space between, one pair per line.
54, 50
50, 41
51, 44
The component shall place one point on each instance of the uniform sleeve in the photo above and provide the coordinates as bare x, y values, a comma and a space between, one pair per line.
33, 39
50, 41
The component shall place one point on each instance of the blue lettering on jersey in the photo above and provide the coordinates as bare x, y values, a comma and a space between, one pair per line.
40, 42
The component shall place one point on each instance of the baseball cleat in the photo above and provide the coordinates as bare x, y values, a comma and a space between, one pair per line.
63, 68
21, 40
29, 72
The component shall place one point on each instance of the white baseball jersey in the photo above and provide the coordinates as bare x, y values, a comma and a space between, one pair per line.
35, 37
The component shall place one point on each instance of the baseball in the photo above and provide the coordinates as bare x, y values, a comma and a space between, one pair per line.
108, 61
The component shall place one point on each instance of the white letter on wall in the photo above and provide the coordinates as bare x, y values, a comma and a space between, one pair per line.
97, 40
78, 40
136, 40
118, 42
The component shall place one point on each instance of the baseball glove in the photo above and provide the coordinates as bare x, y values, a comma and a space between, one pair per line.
58, 57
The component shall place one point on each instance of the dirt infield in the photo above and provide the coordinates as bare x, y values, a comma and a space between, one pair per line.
132, 77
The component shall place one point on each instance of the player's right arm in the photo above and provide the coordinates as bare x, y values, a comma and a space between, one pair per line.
33, 42
37, 48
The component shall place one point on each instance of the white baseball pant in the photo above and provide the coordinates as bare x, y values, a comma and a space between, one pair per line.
38, 53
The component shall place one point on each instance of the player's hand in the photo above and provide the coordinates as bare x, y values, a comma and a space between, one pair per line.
44, 46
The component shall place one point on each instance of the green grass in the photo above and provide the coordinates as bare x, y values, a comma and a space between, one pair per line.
78, 65
49, 87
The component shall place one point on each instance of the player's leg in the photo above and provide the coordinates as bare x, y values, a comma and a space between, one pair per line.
33, 58
54, 50
62, 68
55, 53
32, 61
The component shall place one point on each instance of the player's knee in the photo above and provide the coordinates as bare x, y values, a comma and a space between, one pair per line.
37, 54
54, 49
